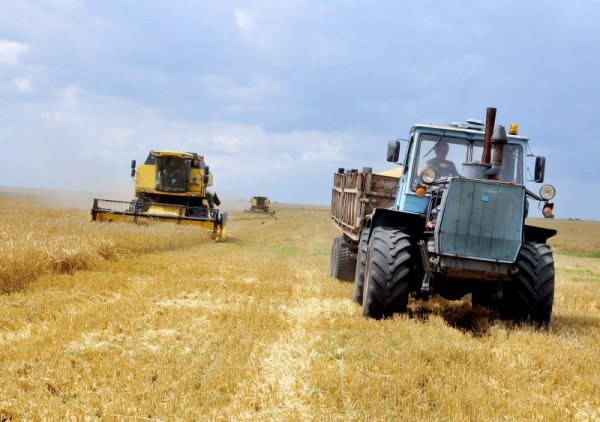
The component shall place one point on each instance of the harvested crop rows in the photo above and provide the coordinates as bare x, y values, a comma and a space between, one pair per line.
115, 321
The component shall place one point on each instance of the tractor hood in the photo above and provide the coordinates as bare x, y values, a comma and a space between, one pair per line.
481, 219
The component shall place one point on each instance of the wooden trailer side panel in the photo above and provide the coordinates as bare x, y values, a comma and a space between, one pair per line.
355, 195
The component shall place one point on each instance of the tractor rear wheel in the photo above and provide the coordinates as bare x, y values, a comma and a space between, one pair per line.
342, 264
530, 294
359, 279
388, 273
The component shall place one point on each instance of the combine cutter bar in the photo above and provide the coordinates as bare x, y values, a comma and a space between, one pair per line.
260, 212
109, 211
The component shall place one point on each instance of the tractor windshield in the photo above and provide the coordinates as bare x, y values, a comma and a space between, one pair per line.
446, 154
172, 174
512, 162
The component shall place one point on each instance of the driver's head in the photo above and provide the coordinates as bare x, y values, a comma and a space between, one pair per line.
441, 149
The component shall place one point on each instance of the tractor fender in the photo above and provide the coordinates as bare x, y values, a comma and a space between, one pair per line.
413, 224
537, 234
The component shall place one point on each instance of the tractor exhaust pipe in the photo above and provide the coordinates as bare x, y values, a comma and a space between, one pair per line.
490, 120
499, 139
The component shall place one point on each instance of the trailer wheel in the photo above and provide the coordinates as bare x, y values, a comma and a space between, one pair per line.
342, 264
388, 273
530, 294
359, 279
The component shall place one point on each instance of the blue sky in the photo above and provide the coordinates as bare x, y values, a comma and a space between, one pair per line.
277, 95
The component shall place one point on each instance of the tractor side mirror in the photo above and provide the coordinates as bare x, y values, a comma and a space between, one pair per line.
393, 151
206, 170
540, 168
132, 168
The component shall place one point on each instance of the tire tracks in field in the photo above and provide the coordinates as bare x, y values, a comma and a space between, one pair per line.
282, 386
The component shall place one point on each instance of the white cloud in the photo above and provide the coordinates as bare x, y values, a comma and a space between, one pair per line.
277, 94
22, 84
265, 26
254, 89
245, 20
250, 30
92, 139
323, 151
68, 95
11, 51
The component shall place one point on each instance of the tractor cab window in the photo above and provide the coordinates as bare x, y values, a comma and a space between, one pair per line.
172, 174
443, 154
512, 162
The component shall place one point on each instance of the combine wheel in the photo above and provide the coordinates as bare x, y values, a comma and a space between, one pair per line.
388, 273
224, 218
530, 294
359, 279
342, 264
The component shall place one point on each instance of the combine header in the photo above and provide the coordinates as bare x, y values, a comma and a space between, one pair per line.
170, 186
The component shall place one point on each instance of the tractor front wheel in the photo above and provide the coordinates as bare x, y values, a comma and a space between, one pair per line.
388, 273
530, 294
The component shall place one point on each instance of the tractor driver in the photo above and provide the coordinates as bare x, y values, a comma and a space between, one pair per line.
442, 167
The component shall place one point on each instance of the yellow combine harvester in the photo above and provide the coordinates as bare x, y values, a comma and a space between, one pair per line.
260, 205
170, 186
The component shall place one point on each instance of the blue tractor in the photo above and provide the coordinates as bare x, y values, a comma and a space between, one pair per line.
456, 226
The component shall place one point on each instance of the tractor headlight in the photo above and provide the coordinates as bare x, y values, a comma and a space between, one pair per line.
428, 175
547, 192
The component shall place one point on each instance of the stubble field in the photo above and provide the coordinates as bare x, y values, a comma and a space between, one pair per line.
117, 321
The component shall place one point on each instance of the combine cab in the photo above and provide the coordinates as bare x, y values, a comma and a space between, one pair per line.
170, 186
260, 204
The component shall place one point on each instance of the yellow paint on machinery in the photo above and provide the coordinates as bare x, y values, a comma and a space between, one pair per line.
111, 216
170, 186
163, 209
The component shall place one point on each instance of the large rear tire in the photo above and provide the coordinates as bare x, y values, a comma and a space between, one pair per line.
389, 273
529, 296
342, 263
361, 260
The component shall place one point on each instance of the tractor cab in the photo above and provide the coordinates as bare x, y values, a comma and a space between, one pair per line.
446, 155
437, 153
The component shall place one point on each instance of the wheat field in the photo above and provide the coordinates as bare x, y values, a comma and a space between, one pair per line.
126, 322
